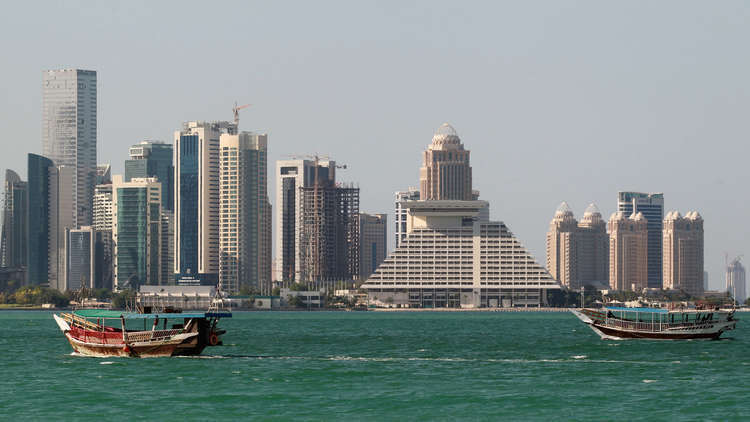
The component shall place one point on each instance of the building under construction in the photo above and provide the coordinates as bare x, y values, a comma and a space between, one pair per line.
329, 232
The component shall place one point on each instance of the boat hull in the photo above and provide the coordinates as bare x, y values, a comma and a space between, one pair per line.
706, 331
119, 350
710, 333
99, 344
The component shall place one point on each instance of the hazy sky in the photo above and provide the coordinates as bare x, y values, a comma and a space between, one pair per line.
557, 100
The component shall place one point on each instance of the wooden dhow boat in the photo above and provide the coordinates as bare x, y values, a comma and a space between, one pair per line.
102, 333
654, 323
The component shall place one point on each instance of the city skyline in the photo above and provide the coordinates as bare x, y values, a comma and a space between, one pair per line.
526, 111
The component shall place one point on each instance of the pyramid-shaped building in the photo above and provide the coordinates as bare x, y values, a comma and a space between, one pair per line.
454, 256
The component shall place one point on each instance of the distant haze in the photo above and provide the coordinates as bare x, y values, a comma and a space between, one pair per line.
557, 100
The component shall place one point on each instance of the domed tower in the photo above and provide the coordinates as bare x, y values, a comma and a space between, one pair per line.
561, 246
446, 169
593, 248
682, 260
628, 251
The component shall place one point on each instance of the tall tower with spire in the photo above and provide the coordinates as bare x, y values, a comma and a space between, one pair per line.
445, 172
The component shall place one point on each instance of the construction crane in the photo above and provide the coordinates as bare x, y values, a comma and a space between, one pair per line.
236, 111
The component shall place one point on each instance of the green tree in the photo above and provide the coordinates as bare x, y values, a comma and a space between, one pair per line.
121, 299
295, 301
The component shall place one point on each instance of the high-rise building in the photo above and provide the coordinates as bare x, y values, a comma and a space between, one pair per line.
578, 251
683, 252
80, 256
69, 128
736, 280
705, 280
651, 205
244, 238
291, 175
13, 240
562, 247
328, 233
452, 257
103, 227
196, 164
62, 215
38, 221
166, 276
373, 242
628, 252
153, 159
446, 171
136, 213
593, 248
400, 215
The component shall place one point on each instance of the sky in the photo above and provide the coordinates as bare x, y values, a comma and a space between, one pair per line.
557, 100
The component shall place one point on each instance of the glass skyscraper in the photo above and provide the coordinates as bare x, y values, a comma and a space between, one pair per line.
69, 132
652, 207
188, 204
196, 206
13, 241
136, 231
153, 159
39, 169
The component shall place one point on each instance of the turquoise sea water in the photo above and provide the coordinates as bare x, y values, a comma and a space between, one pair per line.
382, 366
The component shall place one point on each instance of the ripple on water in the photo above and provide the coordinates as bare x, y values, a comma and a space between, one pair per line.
435, 365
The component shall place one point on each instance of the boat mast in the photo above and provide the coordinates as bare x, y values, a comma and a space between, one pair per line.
581, 297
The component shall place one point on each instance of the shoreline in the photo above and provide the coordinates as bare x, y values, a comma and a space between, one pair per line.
535, 309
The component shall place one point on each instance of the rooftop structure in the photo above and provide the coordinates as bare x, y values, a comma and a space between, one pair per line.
446, 169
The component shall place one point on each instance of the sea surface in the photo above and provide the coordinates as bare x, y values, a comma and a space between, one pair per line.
381, 366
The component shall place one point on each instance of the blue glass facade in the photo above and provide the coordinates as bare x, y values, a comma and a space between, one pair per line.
39, 168
652, 207
156, 162
188, 220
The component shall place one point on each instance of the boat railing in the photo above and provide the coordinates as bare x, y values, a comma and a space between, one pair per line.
655, 326
152, 335
81, 322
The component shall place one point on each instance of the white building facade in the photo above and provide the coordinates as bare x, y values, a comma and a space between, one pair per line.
245, 236
736, 280
453, 256
412, 194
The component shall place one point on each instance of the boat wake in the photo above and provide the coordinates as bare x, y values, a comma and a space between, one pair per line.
345, 358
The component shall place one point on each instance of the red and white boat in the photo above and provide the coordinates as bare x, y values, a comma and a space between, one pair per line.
655, 323
96, 332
